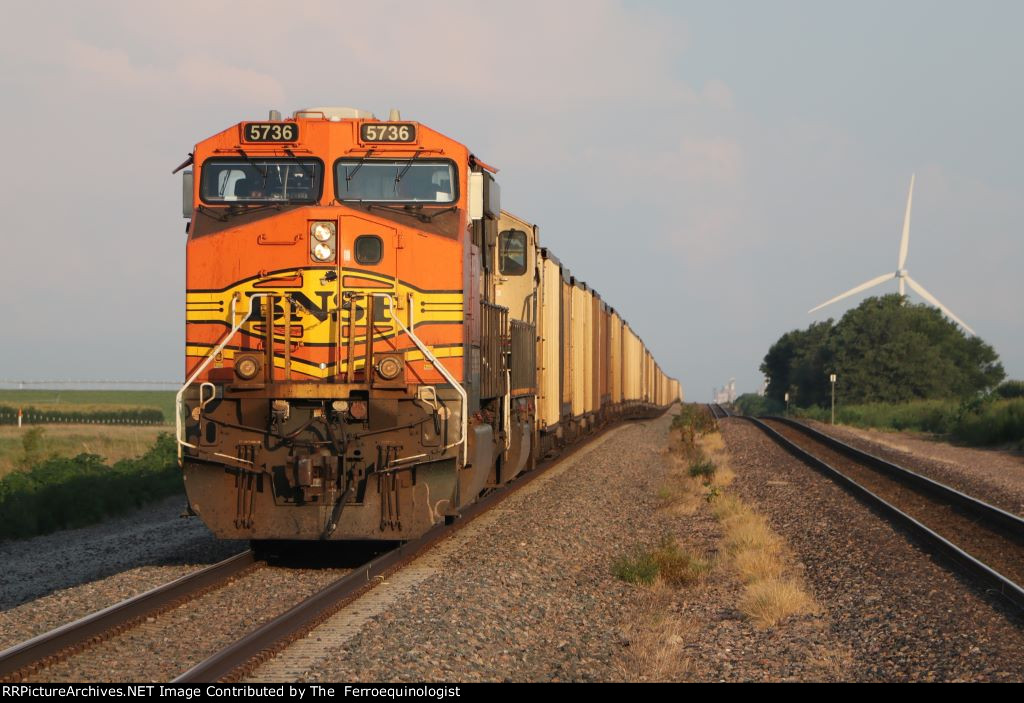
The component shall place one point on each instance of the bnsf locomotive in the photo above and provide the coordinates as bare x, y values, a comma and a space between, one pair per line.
371, 342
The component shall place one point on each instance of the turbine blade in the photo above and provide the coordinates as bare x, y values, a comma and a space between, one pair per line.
905, 240
854, 291
934, 301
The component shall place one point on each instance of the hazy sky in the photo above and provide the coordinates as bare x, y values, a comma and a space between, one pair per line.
713, 169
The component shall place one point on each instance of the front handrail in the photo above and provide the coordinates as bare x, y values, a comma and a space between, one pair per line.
440, 367
179, 397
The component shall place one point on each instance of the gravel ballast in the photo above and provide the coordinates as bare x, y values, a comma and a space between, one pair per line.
902, 615
170, 643
992, 475
525, 592
54, 579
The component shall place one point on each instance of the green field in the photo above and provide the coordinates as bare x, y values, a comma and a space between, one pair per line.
51, 492
86, 401
59, 475
112, 442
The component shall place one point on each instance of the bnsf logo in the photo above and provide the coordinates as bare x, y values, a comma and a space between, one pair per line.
325, 306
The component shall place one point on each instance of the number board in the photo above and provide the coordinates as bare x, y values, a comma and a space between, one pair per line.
270, 132
387, 132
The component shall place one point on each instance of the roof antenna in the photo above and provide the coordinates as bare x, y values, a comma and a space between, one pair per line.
394, 115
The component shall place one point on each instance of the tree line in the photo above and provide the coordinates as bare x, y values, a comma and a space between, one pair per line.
31, 415
886, 350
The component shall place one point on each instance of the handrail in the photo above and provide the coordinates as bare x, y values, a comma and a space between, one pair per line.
178, 398
235, 326
507, 424
440, 367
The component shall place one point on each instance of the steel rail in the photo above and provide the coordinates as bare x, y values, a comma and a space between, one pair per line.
63, 640
1006, 522
272, 636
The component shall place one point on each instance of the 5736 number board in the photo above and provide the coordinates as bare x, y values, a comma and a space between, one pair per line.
270, 132
387, 132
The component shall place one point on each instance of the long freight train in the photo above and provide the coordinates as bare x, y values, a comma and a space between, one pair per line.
371, 341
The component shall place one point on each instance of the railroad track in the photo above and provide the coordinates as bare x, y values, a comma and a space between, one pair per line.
241, 657
23, 659
719, 411
245, 655
983, 539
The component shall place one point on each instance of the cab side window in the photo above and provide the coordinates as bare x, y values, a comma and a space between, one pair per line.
512, 252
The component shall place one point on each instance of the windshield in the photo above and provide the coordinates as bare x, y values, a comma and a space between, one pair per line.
395, 180
261, 181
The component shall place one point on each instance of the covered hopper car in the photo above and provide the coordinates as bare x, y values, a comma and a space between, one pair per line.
371, 341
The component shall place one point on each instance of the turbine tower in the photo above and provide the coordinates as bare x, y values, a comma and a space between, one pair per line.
902, 277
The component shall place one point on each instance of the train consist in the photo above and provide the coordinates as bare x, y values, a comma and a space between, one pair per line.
371, 342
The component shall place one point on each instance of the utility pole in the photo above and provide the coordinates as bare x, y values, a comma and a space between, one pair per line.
832, 378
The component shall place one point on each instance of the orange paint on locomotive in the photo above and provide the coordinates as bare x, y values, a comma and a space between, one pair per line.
273, 252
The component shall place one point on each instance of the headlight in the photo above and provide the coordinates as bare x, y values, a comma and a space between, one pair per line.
357, 409
323, 231
322, 252
389, 368
322, 240
247, 367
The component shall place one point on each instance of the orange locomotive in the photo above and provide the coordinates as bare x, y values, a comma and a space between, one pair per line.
371, 343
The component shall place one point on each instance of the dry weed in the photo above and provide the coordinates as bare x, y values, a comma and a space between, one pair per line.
656, 640
712, 443
748, 532
679, 496
769, 601
725, 475
756, 552
754, 565
727, 507
679, 567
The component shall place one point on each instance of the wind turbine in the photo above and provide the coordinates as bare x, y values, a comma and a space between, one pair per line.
902, 277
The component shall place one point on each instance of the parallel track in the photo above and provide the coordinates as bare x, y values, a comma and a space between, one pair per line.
66, 640
987, 541
719, 411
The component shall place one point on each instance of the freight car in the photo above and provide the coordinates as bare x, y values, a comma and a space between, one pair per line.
371, 341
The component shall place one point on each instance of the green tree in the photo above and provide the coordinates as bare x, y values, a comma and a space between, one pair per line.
798, 364
884, 350
753, 404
